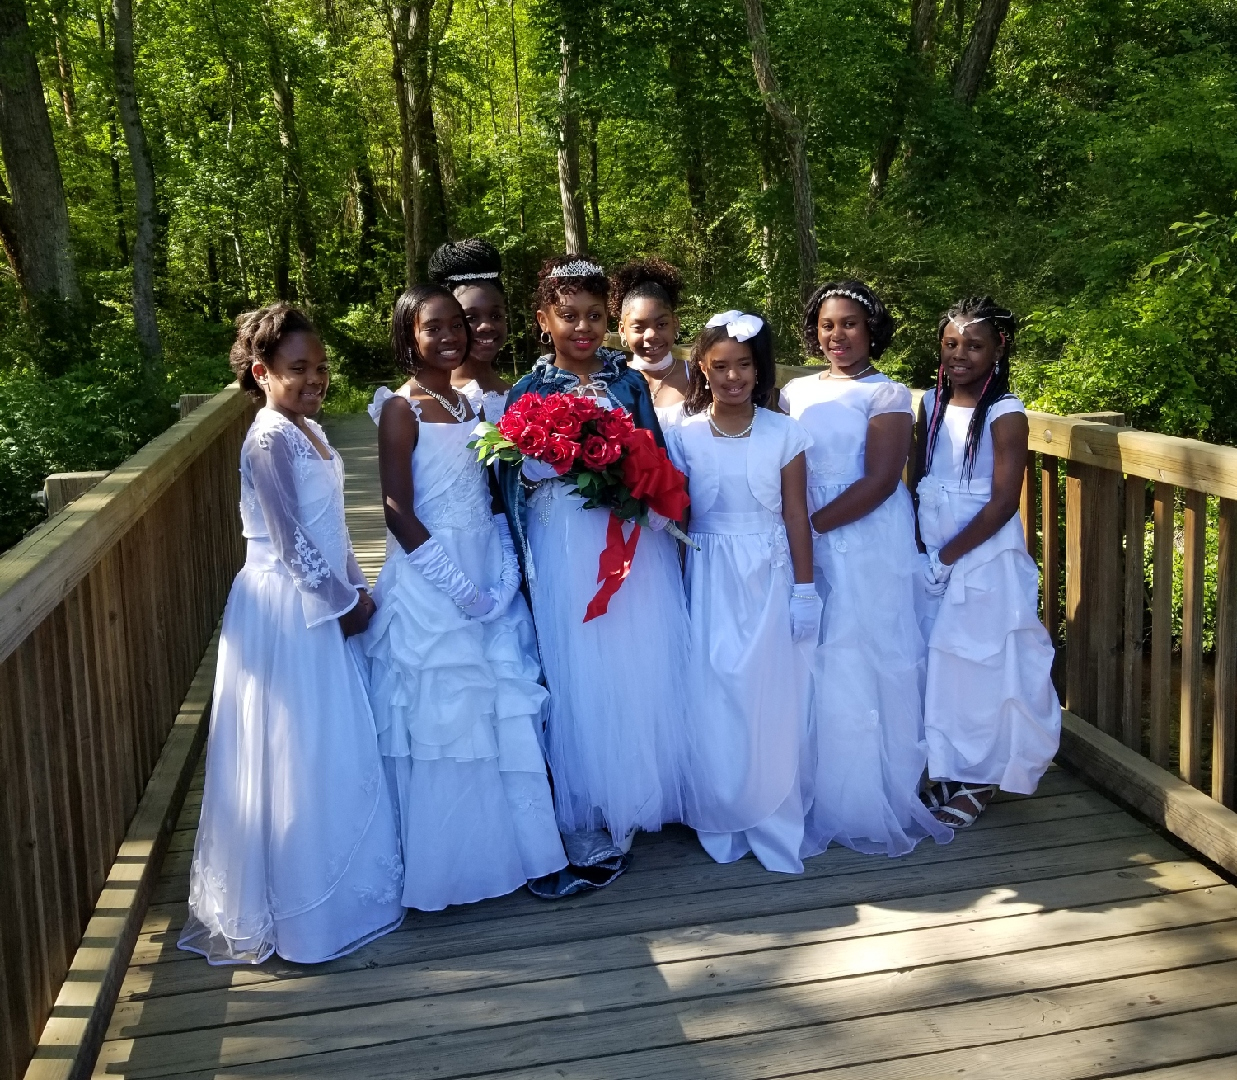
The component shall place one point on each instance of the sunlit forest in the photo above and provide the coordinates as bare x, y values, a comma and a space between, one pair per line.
171, 163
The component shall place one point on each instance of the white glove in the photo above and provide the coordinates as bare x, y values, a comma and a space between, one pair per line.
436, 565
805, 611
535, 471
657, 521
936, 573
509, 581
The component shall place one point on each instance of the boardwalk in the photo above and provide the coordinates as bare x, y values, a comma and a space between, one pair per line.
1058, 938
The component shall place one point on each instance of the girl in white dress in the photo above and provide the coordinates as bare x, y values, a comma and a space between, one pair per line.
454, 672
869, 668
755, 614
296, 851
618, 698
643, 299
472, 270
991, 714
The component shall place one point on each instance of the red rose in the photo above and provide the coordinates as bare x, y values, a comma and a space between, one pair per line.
562, 420
531, 440
587, 409
560, 452
614, 425
525, 410
652, 478
596, 453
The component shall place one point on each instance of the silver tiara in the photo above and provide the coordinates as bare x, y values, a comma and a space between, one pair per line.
485, 275
578, 268
859, 298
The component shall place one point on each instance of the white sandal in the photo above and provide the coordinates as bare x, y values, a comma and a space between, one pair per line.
964, 819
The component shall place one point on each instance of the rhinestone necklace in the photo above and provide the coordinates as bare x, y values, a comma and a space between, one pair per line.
726, 434
858, 374
457, 411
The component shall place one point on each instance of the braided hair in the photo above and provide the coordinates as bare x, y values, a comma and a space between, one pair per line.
404, 323
552, 288
258, 337
1004, 324
699, 397
648, 279
881, 324
467, 262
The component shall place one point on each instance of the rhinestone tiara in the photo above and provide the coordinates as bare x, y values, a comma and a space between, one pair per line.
859, 298
578, 268
484, 275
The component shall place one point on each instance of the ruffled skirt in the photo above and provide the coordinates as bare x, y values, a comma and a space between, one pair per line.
869, 677
616, 732
458, 708
297, 850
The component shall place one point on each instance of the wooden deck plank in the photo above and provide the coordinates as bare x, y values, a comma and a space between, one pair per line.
1058, 938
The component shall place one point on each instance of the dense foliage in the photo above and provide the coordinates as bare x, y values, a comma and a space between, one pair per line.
1100, 128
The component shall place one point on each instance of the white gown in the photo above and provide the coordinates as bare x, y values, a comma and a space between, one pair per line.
618, 699
457, 702
869, 667
486, 404
297, 850
991, 714
750, 684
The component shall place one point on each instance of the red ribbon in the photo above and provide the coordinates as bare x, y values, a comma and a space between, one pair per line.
613, 566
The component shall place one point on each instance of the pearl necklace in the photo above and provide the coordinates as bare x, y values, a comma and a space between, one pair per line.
457, 411
726, 434
858, 374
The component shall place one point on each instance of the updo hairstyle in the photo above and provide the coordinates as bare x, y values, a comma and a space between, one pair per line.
258, 337
473, 261
648, 279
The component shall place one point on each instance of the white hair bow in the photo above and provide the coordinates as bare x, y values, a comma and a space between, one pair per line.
739, 326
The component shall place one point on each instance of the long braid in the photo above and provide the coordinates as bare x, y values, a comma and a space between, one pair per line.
996, 386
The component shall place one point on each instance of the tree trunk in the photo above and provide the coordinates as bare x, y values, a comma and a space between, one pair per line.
144, 312
920, 47
519, 130
295, 187
64, 64
212, 282
34, 219
113, 157
407, 195
796, 146
974, 63
575, 229
594, 183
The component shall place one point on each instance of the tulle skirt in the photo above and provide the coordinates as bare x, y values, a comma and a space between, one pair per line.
991, 714
869, 676
458, 707
616, 731
297, 850
751, 689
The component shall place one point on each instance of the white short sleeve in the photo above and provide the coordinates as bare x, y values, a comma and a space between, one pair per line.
674, 448
795, 440
890, 397
1007, 405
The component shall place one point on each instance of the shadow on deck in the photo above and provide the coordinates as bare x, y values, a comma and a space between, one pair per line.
1058, 938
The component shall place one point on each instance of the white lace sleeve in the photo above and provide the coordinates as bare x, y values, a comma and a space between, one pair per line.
270, 463
890, 397
356, 576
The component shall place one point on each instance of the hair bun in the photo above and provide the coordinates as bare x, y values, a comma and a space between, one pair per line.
647, 277
460, 261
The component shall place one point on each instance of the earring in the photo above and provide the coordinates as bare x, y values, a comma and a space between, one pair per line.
545, 337
623, 342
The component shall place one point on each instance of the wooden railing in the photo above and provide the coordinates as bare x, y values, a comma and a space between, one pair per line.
105, 612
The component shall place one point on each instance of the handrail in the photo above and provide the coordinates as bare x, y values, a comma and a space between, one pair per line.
105, 612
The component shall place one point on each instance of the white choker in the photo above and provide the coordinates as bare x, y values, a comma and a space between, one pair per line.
650, 366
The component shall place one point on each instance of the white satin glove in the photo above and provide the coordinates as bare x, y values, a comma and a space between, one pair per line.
657, 522
535, 471
509, 581
436, 565
936, 574
806, 607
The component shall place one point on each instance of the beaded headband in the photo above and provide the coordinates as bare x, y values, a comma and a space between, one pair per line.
577, 268
484, 275
859, 298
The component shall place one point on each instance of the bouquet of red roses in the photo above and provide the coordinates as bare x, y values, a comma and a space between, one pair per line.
609, 461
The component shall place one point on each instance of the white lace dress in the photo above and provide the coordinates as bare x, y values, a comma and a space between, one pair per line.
457, 702
750, 684
486, 404
990, 713
869, 668
297, 850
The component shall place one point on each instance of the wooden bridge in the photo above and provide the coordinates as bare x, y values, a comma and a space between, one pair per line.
1063, 936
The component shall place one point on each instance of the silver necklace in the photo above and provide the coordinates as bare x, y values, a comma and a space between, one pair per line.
726, 434
834, 375
457, 411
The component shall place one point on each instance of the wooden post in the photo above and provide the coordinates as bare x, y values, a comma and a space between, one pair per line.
1162, 622
1050, 520
1132, 643
189, 402
60, 489
1077, 700
1028, 506
1224, 729
1191, 747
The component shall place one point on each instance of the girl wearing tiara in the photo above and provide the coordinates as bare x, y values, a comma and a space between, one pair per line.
869, 668
472, 270
643, 300
617, 694
755, 614
297, 850
454, 673
991, 714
